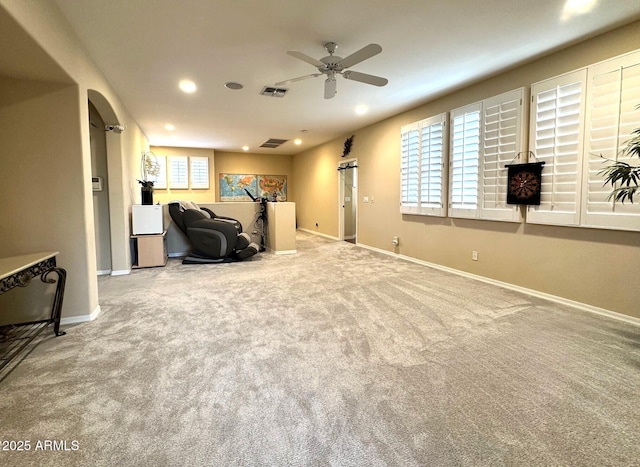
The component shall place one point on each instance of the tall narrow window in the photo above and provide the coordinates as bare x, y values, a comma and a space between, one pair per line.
178, 172
410, 173
199, 172
422, 177
485, 137
465, 159
612, 116
556, 132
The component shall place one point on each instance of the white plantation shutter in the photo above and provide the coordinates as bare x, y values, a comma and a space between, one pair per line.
199, 172
432, 165
612, 115
422, 167
409, 171
502, 141
485, 136
556, 132
464, 155
178, 172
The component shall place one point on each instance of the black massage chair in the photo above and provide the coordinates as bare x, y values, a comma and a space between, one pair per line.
215, 239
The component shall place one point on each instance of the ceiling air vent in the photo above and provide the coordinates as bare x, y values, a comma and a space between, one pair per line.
271, 91
273, 143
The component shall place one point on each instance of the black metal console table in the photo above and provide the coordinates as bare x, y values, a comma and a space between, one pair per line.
17, 271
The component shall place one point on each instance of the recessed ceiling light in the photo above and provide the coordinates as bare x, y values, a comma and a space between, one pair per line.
245, 148
169, 127
297, 141
362, 109
233, 85
577, 7
187, 86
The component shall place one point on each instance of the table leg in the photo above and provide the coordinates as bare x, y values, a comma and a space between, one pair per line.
56, 307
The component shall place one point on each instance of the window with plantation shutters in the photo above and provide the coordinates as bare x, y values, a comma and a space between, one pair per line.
178, 172
556, 132
485, 137
465, 157
422, 178
580, 123
409, 172
612, 115
199, 171
502, 143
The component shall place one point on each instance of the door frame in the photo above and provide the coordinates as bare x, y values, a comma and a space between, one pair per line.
341, 192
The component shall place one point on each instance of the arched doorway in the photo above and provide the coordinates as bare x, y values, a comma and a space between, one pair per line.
100, 185
118, 218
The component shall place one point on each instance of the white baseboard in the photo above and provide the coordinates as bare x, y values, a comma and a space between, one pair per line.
319, 234
282, 252
81, 318
535, 293
104, 272
122, 272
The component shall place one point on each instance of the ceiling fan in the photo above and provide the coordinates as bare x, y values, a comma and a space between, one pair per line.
333, 65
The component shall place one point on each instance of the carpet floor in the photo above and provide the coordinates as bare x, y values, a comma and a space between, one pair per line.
334, 356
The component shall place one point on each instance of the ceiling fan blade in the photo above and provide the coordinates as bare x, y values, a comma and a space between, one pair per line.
305, 58
299, 78
330, 88
367, 51
365, 78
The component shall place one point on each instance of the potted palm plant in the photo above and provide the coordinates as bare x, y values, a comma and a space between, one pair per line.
627, 175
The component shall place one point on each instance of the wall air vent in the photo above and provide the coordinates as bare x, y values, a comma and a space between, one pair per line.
273, 143
271, 91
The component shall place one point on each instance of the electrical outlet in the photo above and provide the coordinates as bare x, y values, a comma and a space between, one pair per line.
474, 255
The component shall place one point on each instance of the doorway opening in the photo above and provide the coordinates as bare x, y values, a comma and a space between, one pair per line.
100, 186
348, 199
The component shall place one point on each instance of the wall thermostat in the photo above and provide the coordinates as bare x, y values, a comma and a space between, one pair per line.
96, 183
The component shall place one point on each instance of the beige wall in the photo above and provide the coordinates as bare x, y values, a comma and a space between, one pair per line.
42, 181
50, 132
316, 188
248, 163
586, 265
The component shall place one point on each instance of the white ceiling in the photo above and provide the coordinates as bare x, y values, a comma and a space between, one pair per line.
145, 47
